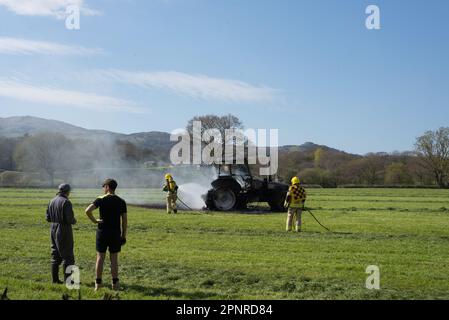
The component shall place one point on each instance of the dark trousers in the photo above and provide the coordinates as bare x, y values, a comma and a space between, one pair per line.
61, 249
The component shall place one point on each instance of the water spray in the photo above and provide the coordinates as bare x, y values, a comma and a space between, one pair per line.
183, 203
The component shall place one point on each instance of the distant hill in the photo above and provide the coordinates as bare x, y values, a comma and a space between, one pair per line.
153, 139
306, 147
19, 126
157, 141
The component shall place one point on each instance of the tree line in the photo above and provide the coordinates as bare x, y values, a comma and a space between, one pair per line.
47, 154
427, 165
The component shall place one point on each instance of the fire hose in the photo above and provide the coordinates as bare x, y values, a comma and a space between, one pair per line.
308, 210
183, 203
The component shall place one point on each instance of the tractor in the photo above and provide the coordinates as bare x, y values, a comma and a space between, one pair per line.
235, 187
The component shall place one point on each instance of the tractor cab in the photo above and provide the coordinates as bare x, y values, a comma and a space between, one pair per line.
238, 172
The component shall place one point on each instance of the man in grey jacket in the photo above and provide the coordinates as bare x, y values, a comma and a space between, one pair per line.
60, 214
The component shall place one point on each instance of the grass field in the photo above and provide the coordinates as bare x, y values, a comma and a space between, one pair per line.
244, 256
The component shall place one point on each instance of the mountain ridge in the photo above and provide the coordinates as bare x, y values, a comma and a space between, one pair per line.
18, 126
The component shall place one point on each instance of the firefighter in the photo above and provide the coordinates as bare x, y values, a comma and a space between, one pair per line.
296, 197
60, 215
172, 193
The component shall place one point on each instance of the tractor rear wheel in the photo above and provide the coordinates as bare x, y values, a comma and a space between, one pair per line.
224, 199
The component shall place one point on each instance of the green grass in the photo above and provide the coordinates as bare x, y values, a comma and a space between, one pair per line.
244, 256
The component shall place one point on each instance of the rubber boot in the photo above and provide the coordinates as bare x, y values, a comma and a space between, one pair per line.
55, 274
115, 284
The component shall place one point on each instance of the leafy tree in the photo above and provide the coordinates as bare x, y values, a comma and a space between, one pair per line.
398, 174
321, 177
433, 148
318, 157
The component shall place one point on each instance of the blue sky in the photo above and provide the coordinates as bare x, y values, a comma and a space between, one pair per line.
308, 68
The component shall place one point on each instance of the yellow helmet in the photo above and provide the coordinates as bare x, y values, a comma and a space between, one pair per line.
168, 177
295, 180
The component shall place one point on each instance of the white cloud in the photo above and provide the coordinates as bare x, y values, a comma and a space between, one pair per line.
53, 96
193, 85
53, 8
24, 46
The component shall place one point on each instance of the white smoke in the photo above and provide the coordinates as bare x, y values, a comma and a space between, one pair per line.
191, 190
193, 183
190, 194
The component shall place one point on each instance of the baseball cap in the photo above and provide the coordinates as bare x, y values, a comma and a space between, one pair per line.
64, 188
111, 183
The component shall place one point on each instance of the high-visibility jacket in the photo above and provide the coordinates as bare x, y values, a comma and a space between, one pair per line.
296, 196
171, 187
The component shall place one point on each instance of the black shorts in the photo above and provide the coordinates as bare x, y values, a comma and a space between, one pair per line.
111, 240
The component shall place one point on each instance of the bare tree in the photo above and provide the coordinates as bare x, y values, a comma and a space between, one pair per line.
373, 168
211, 121
418, 169
367, 170
433, 148
220, 123
45, 152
